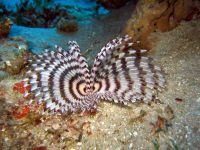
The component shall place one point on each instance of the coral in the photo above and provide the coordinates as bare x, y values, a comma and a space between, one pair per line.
5, 26
19, 86
67, 25
47, 13
21, 114
159, 15
38, 13
112, 3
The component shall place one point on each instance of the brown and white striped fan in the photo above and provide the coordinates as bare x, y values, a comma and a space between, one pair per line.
61, 79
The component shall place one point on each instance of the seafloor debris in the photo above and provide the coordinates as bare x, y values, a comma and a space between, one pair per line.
178, 99
161, 124
86, 128
159, 15
91, 112
139, 118
5, 26
169, 113
40, 148
156, 144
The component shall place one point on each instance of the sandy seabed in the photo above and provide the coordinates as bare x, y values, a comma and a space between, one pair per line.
173, 122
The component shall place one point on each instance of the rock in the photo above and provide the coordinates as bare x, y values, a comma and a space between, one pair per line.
67, 25
162, 15
112, 3
168, 112
73, 133
5, 26
130, 146
56, 126
14, 54
2, 92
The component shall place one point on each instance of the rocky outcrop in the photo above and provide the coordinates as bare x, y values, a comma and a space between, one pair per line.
160, 15
67, 25
13, 55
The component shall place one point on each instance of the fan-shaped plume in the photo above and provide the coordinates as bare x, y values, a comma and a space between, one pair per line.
61, 79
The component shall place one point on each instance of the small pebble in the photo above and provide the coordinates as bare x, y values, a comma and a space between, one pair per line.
22, 47
130, 146
55, 126
79, 144
169, 112
135, 133
8, 63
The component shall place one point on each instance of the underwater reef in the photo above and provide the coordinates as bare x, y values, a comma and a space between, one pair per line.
50, 13
170, 32
39, 13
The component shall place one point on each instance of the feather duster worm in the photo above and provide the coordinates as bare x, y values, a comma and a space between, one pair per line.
62, 80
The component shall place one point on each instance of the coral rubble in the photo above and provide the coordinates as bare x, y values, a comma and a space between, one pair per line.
159, 15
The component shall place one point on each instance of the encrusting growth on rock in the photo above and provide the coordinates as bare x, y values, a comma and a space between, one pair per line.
161, 15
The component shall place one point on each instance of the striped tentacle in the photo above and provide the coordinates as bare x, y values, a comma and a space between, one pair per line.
128, 76
43, 78
74, 50
150, 76
57, 78
105, 54
109, 79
